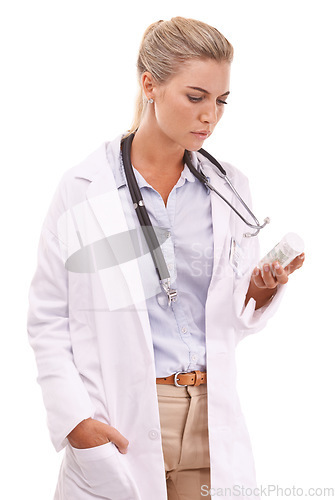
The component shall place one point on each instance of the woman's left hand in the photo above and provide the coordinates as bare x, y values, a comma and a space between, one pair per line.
263, 283
268, 279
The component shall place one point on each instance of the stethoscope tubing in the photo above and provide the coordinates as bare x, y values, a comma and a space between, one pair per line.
201, 176
144, 219
142, 213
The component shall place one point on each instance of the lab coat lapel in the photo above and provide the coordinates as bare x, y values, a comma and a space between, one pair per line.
105, 202
221, 213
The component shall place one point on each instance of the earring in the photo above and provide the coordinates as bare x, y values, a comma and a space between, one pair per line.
150, 101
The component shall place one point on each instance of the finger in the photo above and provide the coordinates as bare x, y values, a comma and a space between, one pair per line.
295, 264
268, 278
280, 273
118, 439
257, 278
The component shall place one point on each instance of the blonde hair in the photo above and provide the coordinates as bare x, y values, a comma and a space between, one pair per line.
166, 45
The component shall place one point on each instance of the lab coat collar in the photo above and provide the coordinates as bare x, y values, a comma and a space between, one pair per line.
99, 161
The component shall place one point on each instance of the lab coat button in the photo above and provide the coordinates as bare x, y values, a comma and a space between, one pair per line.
153, 434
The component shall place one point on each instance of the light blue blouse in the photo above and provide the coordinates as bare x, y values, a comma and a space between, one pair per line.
178, 332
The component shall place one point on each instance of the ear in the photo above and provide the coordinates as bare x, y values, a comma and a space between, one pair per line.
148, 84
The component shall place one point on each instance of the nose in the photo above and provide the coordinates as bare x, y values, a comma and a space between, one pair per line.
210, 114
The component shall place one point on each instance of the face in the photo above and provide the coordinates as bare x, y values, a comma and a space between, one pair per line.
187, 108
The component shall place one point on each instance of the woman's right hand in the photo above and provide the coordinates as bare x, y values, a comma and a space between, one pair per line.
90, 433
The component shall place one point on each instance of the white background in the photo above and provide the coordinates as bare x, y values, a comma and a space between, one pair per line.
69, 84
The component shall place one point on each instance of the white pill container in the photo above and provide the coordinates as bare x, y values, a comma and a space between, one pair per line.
285, 251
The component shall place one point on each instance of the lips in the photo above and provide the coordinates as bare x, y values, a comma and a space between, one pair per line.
201, 134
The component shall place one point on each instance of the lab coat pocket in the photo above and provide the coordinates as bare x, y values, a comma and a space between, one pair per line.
237, 257
105, 474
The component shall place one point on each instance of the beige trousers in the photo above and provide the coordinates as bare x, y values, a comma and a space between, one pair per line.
184, 426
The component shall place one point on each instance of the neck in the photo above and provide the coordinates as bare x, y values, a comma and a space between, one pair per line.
153, 152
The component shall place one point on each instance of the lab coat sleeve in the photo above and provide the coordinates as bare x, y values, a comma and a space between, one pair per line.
247, 319
65, 397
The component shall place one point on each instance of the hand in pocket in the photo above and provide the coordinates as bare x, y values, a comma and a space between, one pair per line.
90, 433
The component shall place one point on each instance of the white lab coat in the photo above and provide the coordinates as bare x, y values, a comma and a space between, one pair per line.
92, 340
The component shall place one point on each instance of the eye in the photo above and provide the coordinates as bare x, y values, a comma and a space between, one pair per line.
194, 99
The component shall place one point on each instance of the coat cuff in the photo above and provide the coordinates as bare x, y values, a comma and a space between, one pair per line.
248, 319
60, 441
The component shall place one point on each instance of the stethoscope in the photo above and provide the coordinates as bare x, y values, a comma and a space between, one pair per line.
145, 222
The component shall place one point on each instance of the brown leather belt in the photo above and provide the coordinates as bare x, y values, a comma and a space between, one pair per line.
182, 379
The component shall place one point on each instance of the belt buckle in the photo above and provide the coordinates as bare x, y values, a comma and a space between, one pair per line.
175, 380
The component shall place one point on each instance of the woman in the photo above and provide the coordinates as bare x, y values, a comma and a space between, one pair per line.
112, 345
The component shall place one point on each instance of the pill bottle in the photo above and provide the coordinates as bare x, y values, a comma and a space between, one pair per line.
285, 251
